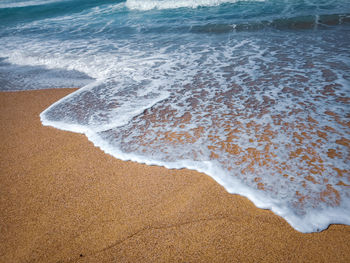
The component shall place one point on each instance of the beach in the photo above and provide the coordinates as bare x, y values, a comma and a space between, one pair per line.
64, 200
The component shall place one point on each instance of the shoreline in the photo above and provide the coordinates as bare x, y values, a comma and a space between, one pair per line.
62, 199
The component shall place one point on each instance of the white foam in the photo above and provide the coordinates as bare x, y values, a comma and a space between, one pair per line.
172, 4
312, 222
183, 72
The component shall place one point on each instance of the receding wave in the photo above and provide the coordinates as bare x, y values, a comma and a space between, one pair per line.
267, 118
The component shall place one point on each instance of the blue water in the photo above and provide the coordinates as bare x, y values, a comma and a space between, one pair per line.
253, 93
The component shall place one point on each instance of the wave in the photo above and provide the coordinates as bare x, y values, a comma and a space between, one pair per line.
265, 117
27, 11
16, 77
172, 4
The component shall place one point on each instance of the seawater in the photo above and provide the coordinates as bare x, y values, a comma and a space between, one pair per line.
253, 93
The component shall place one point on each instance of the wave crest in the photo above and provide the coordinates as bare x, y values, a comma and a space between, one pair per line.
172, 4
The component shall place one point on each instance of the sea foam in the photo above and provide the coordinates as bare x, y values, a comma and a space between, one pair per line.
172, 4
256, 125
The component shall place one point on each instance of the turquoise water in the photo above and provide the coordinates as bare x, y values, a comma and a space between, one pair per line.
253, 93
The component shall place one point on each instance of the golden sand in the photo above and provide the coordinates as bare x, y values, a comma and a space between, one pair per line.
64, 200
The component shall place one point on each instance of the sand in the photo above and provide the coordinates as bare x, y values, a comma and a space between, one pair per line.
64, 200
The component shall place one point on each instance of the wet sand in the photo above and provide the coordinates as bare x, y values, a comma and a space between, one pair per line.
63, 200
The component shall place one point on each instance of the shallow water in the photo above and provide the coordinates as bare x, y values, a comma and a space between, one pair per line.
253, 93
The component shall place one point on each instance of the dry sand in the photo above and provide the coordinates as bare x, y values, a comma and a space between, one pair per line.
63, 200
